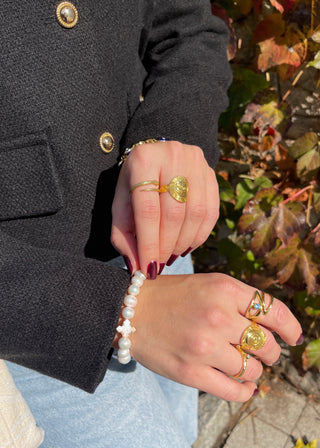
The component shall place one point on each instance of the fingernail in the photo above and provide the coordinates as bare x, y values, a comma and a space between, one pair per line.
300, 340
255, 392
152, 270
128, 264
172, 259
277, 362
162, 265
186, 252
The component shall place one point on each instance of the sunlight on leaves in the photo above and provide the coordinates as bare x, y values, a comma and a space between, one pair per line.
311, 355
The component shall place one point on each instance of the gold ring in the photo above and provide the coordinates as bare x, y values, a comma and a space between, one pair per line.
245, 356
258, 305
178, 188
253, 338
146, 182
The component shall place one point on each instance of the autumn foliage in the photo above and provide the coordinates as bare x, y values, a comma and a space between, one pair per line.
268, 233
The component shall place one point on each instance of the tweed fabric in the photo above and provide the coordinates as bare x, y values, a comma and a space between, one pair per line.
60, 89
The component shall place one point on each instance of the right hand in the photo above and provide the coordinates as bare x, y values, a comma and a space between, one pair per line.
186, 325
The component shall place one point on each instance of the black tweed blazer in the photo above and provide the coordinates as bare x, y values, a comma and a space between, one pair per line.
60, 90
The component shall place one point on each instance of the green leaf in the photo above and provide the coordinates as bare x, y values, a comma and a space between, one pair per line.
225, 189
310, 303
304, 144
308, 165
246, 189
311, 355
316, 35
316, 61
245, 85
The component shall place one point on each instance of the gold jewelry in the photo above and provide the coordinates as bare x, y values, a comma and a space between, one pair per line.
253, 338
258, 307
177, 188
245, 356
142, 142
146, 182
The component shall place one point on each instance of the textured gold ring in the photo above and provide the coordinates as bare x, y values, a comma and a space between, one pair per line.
258, 305
245, 356
146, 182
178, 189
253, 338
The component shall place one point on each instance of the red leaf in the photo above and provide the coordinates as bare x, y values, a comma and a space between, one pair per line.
272, 25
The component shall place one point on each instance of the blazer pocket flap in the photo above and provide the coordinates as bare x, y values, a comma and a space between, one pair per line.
28, 179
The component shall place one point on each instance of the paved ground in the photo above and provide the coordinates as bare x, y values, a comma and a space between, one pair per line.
288, 407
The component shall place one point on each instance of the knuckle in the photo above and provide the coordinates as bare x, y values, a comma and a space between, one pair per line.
281, 314
211, 217
217, 318
232, 392
197, 212
175, 214
150, 211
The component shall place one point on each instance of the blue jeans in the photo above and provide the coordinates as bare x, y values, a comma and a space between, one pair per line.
132, 407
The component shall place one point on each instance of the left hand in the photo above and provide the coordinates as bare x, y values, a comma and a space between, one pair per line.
153, 229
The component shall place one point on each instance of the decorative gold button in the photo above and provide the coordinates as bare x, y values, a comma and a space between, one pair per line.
67, 15
106, 142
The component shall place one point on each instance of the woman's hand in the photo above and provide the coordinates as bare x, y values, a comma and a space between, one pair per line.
151, 229
186, 325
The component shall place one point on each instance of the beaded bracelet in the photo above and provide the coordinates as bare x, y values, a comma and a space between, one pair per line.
142, 142
127, 313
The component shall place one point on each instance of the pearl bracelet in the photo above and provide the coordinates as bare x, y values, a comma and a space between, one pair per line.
127, 313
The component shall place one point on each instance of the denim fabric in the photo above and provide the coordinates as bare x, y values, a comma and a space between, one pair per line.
132, 407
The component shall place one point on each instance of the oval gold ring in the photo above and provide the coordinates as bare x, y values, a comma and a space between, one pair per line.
253, 338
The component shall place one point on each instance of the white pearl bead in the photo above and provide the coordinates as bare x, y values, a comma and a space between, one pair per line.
140, 274
137, 281
124, 343
123, 353
134, 290
125, 360
127, 313
130, 301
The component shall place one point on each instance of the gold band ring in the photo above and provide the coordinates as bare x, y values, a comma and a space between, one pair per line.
258, 305
178, 189
245, 356
146, 182
253, 338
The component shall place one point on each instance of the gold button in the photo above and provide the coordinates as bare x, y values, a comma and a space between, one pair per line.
106, 142
67, 15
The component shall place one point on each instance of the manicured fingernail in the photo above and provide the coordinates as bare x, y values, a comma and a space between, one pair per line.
186, 252
152, 270
128, 264
172, 259
300, 340
162, 265
255, 392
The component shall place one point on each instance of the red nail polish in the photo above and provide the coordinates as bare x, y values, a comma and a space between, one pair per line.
162, 265
300, 340
128, 264
186, 252
255, 392
172, 259
152, 270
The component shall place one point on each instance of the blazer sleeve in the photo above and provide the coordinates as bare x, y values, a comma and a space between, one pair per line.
58, 312
187, 77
